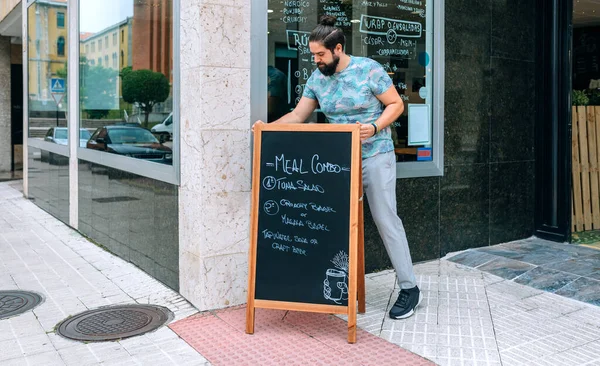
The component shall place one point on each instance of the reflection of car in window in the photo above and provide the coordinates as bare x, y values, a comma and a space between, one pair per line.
165, 128
60, 136
135, 142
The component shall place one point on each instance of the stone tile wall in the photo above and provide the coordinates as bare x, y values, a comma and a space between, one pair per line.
214, 196
486, 195
5, 106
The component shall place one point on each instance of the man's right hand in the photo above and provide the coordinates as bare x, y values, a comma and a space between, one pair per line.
255, 123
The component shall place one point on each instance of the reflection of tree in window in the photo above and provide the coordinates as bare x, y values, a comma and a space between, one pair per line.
60, 46
146, 88
98, 90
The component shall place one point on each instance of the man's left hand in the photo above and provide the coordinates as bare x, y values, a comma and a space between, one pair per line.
366, 130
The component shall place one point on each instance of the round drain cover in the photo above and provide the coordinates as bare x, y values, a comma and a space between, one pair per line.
17, 302
114, 322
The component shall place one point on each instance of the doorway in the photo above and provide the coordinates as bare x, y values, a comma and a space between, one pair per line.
16, 79
585, 134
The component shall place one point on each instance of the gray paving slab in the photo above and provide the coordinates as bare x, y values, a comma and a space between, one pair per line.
471, 317
39, 253
468, 316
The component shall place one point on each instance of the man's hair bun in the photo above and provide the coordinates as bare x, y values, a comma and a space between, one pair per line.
328, 21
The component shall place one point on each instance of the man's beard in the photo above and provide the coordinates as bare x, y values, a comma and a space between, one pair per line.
329, 69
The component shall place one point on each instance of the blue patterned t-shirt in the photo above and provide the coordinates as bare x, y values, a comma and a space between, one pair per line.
350, 95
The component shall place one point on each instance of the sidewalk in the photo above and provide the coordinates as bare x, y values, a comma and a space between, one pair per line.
467, 317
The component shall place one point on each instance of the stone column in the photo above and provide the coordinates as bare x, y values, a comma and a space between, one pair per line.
5, 106
214, 196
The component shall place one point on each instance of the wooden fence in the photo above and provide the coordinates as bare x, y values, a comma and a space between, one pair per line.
585, 141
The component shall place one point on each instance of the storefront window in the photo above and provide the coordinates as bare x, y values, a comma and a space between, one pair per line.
126, 95
47, 66
396, 33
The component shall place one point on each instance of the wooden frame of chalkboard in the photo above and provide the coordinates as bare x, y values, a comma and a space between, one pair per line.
307, 210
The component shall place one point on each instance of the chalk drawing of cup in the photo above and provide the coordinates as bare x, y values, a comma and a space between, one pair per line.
335, 286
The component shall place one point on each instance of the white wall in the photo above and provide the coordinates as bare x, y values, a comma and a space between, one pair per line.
214, 195
5, 106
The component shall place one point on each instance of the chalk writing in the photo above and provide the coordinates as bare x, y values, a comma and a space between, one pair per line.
271, 207
381, 26
268, 234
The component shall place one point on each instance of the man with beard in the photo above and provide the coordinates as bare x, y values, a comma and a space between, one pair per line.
352, 89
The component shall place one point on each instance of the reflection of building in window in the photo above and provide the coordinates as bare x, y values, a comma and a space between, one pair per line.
153, 36
103, 67
47, 35
60, 46
60, 20
109, 48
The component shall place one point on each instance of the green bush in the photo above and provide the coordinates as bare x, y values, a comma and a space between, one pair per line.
593, 96
579, 98
146, 88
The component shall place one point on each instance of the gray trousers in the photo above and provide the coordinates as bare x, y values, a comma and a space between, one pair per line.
379, 182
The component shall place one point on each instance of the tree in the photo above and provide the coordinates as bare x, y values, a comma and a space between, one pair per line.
146, 88
98, 90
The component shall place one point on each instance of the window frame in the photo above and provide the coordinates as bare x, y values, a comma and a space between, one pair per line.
162, 172
165, 173
258, 86
36, 142
58, 43
58, 14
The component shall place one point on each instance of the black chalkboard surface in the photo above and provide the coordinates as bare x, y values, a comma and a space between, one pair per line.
304, 217
305, 220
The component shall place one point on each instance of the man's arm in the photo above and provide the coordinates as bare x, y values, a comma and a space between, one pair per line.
299, 114
394, 106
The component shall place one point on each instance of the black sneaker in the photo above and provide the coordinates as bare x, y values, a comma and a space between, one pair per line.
408, 300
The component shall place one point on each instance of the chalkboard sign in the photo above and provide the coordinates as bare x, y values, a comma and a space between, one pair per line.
305, 219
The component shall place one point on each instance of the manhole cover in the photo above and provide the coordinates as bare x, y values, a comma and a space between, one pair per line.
114, 322
17, 302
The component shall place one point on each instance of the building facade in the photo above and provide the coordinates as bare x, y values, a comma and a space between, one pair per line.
179, 209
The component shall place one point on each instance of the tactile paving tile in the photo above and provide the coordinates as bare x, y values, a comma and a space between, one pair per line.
286, 338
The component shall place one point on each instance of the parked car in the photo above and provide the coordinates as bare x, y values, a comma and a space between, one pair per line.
60, 136
135, 142
165, 128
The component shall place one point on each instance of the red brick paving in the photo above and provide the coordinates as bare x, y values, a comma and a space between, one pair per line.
295, 338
